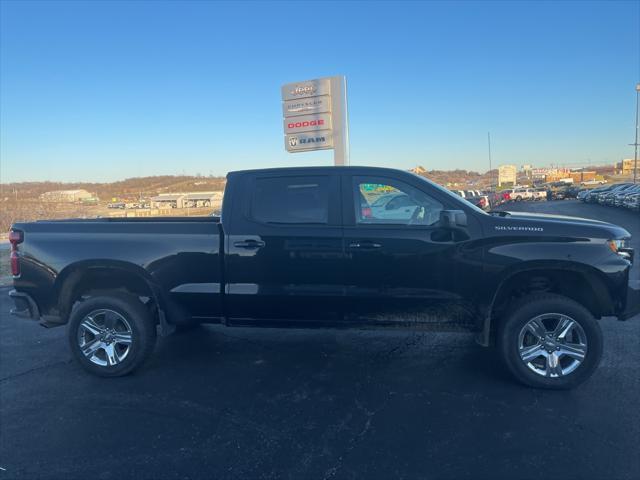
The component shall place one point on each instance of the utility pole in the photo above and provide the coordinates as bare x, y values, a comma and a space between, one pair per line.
490, 172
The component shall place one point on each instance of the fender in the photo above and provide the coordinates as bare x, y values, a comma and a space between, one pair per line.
68, 279
593, 276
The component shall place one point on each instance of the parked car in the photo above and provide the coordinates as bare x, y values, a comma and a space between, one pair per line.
306, 247
592, 195
394, 207
619, 196
506, 195
582, 194
474, 197
571, 192
520, 194
539, 194
496, 199
607, 198
632, 201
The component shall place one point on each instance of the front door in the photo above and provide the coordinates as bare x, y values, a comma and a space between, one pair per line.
284, 250
402, 266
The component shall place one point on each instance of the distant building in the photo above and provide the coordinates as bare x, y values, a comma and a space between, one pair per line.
539, 173
526, 169
583, 176
186, 200
507, 174
200, 199
68, 196
626, 166
167, 200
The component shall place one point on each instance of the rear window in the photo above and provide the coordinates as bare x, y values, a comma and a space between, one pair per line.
291, 200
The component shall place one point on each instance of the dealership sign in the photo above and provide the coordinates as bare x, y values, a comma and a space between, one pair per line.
315, 117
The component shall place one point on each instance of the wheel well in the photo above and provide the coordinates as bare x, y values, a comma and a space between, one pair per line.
584, 288
91, 281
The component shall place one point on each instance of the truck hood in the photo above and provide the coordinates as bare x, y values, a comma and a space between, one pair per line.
558, 225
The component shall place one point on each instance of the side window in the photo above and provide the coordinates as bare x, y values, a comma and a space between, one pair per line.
291, 200
386, 201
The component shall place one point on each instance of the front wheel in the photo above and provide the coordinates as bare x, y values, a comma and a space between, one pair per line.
111, 335
550, 341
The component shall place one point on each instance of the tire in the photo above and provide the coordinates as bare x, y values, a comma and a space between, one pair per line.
518, 198
515, 336
128, 321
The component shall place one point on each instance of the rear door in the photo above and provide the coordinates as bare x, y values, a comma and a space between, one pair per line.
284, 256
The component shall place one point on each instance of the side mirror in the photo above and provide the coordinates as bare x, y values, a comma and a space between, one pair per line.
453, 219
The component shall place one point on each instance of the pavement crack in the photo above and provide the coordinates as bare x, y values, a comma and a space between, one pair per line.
332, 471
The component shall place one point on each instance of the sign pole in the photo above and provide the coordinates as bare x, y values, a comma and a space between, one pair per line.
340, 121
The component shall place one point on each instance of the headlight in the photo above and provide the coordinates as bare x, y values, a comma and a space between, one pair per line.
622, 247
616, 245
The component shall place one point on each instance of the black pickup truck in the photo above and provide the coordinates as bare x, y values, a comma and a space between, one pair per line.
331, 247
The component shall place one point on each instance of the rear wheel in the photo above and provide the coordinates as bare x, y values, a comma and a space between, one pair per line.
550, 341
111, 335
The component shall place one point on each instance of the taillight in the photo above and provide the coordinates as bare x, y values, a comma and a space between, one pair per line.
15, 238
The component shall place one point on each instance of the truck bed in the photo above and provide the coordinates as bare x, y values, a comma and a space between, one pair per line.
179, 256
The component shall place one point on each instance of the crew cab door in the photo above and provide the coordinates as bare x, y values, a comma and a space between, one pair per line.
408, 269
284, 254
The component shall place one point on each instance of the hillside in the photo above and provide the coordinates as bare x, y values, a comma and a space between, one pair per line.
130, 188
21, 202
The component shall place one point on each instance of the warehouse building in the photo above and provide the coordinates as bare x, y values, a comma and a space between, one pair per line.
186, 200
68, 196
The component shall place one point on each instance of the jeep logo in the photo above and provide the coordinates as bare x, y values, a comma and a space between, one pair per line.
303, 90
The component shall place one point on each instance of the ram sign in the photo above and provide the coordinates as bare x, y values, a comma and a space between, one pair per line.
315, 117
302, 142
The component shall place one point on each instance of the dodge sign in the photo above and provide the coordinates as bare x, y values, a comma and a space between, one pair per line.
307, 123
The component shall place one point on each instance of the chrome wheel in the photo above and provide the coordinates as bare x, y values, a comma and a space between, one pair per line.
105, 337
552, 345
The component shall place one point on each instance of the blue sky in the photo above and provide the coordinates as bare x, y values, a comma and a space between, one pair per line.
100, 91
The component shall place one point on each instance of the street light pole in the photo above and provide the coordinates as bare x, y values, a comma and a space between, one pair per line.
635, 158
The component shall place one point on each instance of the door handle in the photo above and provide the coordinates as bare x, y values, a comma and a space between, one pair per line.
249, 244
365, 245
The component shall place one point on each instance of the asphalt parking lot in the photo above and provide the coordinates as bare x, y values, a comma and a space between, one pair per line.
322, 404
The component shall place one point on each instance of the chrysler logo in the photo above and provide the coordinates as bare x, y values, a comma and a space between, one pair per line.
303, 90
